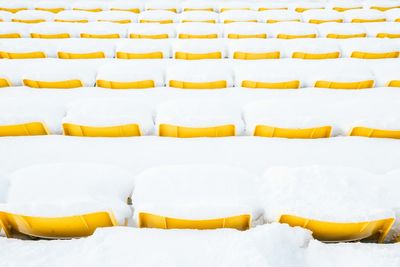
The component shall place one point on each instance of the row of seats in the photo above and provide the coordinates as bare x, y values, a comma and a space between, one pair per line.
195, 30
199, 197
165, 17
308, 119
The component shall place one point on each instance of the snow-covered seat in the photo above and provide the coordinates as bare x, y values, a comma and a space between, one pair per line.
51, 6
382, 5
198, 30
158, 16
342, 30
5, 16
199, 199
320, 48
199, 75
15, 6
302, 6
143, 49
293, 30
364, 15
232, 16
122, 17
103, 30
151, 31
242, 30
371, 48
172, 6
191, 5
336, 203
275, 16
199, 16
127, 6
224, 6
393, 15
29, 48
198, 49
32, 16
186, 118
383, 30
54, 30
319, 16
268, 6
108, 118
251, 49
14, 30
61, 201
341, 6
74, 16
89, 6
386, 73
85, 49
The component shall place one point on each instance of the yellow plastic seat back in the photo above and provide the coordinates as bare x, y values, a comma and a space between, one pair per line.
29, 21
246, 36
367, 20
52, 10
254, 56
343, 9
148, 220
166, 21
133, 10
4, 83
341, 232
197, 36
376, 133
169, 130
320, 21
151, 55
294, 36
388, 35
149, 36
56, 227
198, 85
383, 8
126, 85
51, 36
126, 130
100, 36
67, 55
368, 55
303, 55
346, 36
24, 129
10, 35
22, 55
345, 85
300, 133
68, 84
12, 10
72, 20
394, 83
271, 85
196, 56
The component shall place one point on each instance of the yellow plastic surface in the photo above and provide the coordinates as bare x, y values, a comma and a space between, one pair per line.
88, 9
168, 130
199, 9
166, 21
50, 36
272, 8
124, 55
383, 8
367, 20
233, 8
271, 85
100, 36
28, 20
196, 56
149, 36
52, 10
376, 133
126, 130
394, 83
302, 9
388, 35
12, 10
344, 85
134, 10
56, 227
300, 133
121, 21
4, 82
232, 21
197, 36
281, 20
148, 220
164, 9
367, 55
303, 55
125, 85
252, 56
67, 55
68, 84
342, 9
397, 20
203, 21
198, 85
291, 36
320, 21
72, 20
243, 36
10, 35
346, 36
341, 232
24, 129
23, 55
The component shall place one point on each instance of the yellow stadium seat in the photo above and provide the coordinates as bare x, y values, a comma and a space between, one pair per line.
342, 9
148, 220
243, 36
394, 83
346, 36
126, 85
24, 129
282, 20
203, 21
121, 21
367, 20
199, 9
341, 232
168, 130
4, 83
233, 21
252, 56
271, 85
320, 21
165, 9
301, 9
303, 55
154, 55
198, 85
195, 56
166, 21
126, 130
397, 20
149, 36
234, 8
12, 10
134, 10
345, 85
67, 55
22, 55
50, 36
292, 36
197, 36
28, 20
72, 20
376, 133
387, 35
88, 9
52, 10
68, 84
368, 55
10, 35
100, 36
56, 227
303, 133
272, 8
383, 8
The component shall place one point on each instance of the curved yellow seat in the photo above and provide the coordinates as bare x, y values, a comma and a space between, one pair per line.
303, 55
271, 85
303, 133
67, 55
50, 36
52, 10
68, 84
272, 8
282, 20
341, 232
198, 85
22, 55
376, 133
244, 36
233, 8
254, 56
72, 20
197, 36
148, 220
201, 21
293, 36
24, 129
126, 130
394, 83
388, 35
232, 21
166, 21
342, 9
383, 8
397, 20
164, 9
133, 10
10, 35
367, 20
320, 21
198, 9
120, 21
346, 36
125, 55
56, 227
302, 9
88, 9
148, 36
4, 82
126, 85
196, 56
12, 10
169, 130
344, 85
100, 36
29, 21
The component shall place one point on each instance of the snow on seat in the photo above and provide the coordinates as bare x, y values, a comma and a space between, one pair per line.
14, 6
193, 5
364, 15
383, 5
320, 48
393, 15
141, 75
85, 49
32, 16
103, 30
268, 6
13, 30
198, 30
224, 6
386, 73
158, 16
172, 6
5, 16
74, 16
242, 30
302, 6
232, 16
121, 17
336, 203
54, 30
28, 49
293, 30
341, 30
127, 6
199, 16
203, 197
191, 118
89, 6
108, 118
199, 75
198, 49
319, 16
383, 30
59, 201
51, 6
371, 48
275, 16
341, 6
143, 49
151, 31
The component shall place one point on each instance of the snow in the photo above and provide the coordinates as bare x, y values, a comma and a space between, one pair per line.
199, 28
